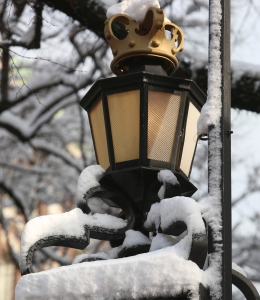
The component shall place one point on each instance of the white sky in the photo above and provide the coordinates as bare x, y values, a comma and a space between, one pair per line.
245, 23
245, 48
246, 156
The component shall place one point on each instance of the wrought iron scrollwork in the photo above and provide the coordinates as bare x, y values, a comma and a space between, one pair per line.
245, 286
116, 198
53, 240
134, 217
90, 231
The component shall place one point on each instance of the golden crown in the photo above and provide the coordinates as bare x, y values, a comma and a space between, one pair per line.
154, 37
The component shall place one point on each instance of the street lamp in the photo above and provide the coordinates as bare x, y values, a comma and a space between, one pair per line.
144, 120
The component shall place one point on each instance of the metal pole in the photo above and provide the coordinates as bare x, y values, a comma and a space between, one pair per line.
220, 145
226, 152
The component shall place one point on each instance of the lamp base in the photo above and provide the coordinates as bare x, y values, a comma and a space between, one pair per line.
142, 185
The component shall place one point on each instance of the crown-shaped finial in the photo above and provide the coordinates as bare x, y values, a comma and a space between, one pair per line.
155, 37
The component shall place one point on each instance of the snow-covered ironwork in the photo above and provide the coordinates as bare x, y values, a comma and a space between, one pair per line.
165, 244
175, 263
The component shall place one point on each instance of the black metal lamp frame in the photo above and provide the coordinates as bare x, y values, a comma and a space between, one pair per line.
144, 81
137, 179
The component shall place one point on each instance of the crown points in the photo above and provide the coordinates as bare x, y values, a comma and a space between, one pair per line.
155, 43
159, 25
108, 36
156, 38
132, 44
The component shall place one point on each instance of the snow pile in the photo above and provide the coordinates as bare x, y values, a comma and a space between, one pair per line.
176, 209
98, 256
161, 241
71, 223
182, 209
154, 217
132, 8
171, 210
134, 238
166, 177
88, 178
156, 273
165, 272
114, 252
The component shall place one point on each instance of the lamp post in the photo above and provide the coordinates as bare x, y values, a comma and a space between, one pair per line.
144, 120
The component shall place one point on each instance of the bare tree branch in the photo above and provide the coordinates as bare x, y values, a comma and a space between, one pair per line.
65, 156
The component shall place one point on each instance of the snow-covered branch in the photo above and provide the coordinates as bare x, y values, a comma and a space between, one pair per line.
17, 196
33, 169
64, 155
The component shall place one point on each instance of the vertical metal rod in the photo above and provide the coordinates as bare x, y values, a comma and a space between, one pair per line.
220, 141
226, 152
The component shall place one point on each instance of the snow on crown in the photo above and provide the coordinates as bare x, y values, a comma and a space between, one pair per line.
155, 37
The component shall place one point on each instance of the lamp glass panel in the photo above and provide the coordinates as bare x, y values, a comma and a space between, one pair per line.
163, 111
124, 113
96, 117
190, 140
